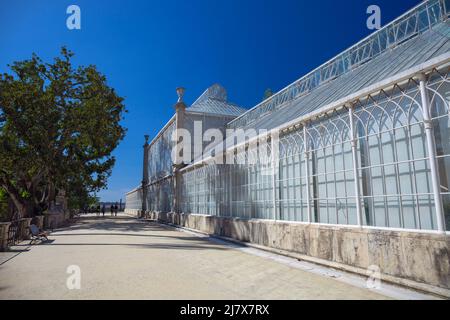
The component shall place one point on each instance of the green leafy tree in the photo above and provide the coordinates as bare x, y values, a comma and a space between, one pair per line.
4, 212
58, 127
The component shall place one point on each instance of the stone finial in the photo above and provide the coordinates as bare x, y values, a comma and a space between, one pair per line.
146, 138
180, 93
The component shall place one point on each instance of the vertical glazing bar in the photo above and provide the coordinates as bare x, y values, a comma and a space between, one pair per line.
355, 166
429, 132
308, 200
446, 8
274, 158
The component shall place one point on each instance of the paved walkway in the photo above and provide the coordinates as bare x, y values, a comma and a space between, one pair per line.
123, 258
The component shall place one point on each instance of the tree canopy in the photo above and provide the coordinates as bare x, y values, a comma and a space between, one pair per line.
58, 127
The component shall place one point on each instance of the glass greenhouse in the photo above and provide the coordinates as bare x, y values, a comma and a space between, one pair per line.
363, 140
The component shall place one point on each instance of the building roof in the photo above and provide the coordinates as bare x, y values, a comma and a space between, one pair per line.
214, 101
419, 35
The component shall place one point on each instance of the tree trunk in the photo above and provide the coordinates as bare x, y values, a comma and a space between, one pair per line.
22, 206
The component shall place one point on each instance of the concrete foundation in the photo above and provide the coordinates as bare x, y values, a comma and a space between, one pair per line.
420, 260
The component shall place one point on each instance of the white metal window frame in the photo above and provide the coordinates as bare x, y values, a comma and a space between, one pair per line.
437, 63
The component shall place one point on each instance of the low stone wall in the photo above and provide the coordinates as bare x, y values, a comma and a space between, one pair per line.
24, 228
4, 226
133, 212
47, 221
54, 220
419, 257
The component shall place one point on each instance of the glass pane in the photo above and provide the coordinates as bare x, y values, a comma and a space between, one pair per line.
427, 212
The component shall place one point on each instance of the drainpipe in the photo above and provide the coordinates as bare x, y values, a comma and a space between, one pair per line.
180, 108
355, 166
308, 203
431, 144
275, 158
145, 177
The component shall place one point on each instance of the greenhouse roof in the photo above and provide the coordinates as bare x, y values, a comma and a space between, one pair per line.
419, 35
214, 101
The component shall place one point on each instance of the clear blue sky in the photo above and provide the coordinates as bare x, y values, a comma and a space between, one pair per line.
148, 48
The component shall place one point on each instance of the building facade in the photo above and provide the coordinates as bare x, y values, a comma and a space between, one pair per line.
358, 146
157, 190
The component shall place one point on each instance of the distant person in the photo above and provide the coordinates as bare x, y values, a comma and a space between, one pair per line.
116, 208
103, 209
111, 208
97, 210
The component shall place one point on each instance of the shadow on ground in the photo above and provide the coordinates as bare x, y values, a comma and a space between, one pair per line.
125, 226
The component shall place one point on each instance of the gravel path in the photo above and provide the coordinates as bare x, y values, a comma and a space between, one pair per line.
124, 258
